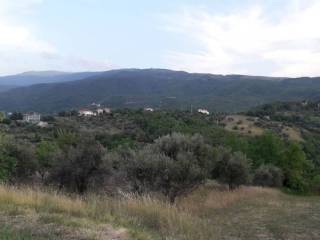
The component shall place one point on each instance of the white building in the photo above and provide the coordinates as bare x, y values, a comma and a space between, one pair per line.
149, 109
86, 113
31, 117
107, 110
43, 124
203, 111
100, 111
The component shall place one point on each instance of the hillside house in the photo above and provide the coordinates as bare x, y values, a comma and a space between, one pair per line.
149, 109
100, 111
204, 111
86, 113
32, 117
107, 110
42, 124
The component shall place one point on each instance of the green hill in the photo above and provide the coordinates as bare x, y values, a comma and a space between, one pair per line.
158, 88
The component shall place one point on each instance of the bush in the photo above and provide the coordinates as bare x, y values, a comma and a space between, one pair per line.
315, 184
46, 153
172, 145
7, 166
48, 118
78, 165
295, 167
297, 184
16, 116
232, 169
268, 176
26, 164
173, 165
7, 163
6, 121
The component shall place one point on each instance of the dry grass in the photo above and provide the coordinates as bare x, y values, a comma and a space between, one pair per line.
207, 213
246, 125
242, 124
215, 199
38, 200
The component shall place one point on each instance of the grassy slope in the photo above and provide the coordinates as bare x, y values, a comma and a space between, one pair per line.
245, 125
248, 213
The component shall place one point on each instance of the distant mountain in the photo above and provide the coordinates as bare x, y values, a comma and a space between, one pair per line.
4, 88
44, 73
34, 77
161, 88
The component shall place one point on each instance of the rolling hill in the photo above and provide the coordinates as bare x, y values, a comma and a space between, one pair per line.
37, 77
161, 88
4, 88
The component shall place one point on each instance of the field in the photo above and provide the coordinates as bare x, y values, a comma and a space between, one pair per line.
207, 213
253, 126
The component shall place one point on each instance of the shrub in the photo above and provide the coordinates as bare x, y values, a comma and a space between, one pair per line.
6, 121
16, 116
24, 155
315, 184
297, 183
232, 169
268, 176
66, 138
45, 153
48, 118
172, 145
173, 165
7, 166
76, 166
7, 163
266, 149
295, 167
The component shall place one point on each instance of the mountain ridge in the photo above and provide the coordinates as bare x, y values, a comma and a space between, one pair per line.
160, 88
38, 77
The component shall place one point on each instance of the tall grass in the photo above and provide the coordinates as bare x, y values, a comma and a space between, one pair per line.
189, 218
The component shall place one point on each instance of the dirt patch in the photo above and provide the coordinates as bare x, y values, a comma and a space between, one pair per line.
242, 124
255, 126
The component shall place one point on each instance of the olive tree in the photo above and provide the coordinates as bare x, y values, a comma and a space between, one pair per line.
173, 165
76, 166
232, 168
268, 176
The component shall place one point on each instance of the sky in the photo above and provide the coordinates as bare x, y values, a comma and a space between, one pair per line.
254, 37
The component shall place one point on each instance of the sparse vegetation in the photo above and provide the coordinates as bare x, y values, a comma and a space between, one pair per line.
207, 213
159, 175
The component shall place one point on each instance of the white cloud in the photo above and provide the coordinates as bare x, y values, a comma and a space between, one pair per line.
17, 36
250, 41
18, 44
17, 61
21, 49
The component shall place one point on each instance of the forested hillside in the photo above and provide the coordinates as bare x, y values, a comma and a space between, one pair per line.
160, 89
34, 77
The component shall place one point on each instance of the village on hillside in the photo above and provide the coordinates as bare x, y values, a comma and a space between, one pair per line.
92, 110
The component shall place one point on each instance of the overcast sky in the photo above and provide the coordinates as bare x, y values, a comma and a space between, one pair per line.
256, 37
